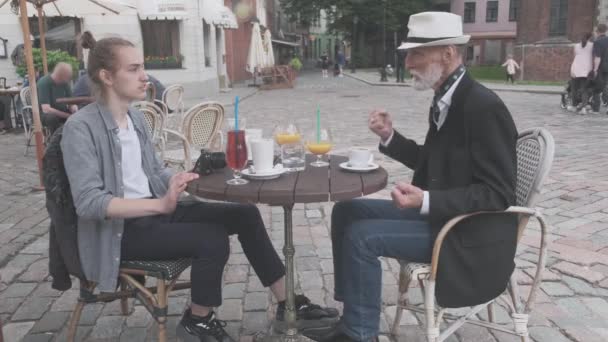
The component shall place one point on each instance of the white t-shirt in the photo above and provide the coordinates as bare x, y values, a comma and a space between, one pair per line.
134, 178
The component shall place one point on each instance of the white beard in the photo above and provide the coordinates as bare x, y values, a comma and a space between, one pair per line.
426, 80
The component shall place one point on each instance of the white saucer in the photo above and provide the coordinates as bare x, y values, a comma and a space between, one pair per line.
266, 175
371, 167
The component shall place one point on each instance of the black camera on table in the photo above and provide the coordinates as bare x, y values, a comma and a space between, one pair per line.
209, 162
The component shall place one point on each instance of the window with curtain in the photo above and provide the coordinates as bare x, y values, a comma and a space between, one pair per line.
558, 19
161, 43
492, 11
514, 10
469, 12
59, 32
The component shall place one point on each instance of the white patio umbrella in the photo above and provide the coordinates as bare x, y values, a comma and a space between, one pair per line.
269, 52
256, 56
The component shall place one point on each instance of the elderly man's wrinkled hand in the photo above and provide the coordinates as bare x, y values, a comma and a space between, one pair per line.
407, 196
380, 122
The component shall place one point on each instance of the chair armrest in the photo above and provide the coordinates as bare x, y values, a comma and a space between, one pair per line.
529, 212
186, 146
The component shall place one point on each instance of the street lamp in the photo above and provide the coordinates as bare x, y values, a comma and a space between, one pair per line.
383, 77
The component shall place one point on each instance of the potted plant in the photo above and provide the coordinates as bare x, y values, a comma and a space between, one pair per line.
52, 58
172, 62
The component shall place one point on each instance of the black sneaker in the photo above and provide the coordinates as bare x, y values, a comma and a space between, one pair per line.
310, 318
208, 329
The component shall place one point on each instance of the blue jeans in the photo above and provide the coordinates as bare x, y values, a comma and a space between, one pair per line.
361, 231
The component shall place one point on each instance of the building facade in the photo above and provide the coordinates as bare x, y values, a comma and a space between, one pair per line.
182, 40
546, 33
492, 26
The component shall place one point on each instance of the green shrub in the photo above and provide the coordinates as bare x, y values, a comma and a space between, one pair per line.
52, 58
295, 63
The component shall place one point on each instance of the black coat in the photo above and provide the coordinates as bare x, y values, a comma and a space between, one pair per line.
469, 165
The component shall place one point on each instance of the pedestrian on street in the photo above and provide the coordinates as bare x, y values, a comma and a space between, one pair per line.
600, 66
128, 209
467, 164
400, 65
341, 60
324, 65
580, 70
512, 68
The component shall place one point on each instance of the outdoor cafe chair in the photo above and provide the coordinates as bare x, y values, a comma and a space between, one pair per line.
173, 98
535, 149
201, 128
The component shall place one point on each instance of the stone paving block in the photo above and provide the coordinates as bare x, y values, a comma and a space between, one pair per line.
139, 318
256, 301
114, 308
177, 305
16, 331
470, 332
17, 290
37, 272
40, 246
51, 322
407, 318
254, 284
108, 327
546, 334
583, 272
236, 274
581, 334
133, 335
308, 264
231, 310
234, 290
32, 308
44, 337
45, 289
17, 266
310, 280
66, 302
598, 305
582, 287
254, 322
90, 313
10, 305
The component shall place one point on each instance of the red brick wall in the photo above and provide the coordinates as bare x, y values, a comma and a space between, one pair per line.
545, 62
237, 44
533, 25
549, 58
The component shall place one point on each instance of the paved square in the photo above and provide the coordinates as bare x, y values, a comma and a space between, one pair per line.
571, 307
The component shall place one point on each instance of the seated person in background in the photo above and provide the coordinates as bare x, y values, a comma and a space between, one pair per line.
50, 88
82, 88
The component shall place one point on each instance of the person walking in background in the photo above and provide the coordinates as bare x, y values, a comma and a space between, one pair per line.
581, 69
324, 64
600, 66
512, 68
341, 59
400, 65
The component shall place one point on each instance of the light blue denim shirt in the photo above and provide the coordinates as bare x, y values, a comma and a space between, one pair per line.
92, 157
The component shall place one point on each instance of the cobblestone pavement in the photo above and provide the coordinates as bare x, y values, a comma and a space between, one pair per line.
572, 306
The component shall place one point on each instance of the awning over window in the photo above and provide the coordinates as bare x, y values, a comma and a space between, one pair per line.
162, 9
75, 8
218, 15
284, 42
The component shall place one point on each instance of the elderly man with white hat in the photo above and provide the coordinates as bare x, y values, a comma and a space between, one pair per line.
466, 164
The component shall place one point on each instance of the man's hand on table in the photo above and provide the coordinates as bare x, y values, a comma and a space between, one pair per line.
407, 196
177, 185
381, 124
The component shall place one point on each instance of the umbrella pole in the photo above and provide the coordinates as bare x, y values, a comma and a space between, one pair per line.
29, 60
45, 66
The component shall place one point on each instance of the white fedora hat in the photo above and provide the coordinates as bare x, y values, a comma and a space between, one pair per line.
434, 29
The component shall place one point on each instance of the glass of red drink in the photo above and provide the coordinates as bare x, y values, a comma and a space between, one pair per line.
236, 156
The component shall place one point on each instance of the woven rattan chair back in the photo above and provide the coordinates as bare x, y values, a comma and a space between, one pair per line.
173, 97
153, 116
202, 123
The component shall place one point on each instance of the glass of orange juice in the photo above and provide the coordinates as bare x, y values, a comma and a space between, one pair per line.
288, 137
319, 142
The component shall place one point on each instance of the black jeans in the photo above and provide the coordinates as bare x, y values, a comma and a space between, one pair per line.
579, 91
52, 121
599, 84
200, 231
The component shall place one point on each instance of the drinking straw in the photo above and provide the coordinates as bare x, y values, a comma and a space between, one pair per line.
318, 123
236, 113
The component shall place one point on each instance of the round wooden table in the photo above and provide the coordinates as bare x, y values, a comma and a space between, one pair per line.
310, 186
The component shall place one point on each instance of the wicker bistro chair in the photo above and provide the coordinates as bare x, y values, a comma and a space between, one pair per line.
201, 127
27, 117
132, 285
535, 149
173, 98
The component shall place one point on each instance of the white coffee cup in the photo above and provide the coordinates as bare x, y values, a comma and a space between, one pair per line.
360, 157
262, 151
251, 134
